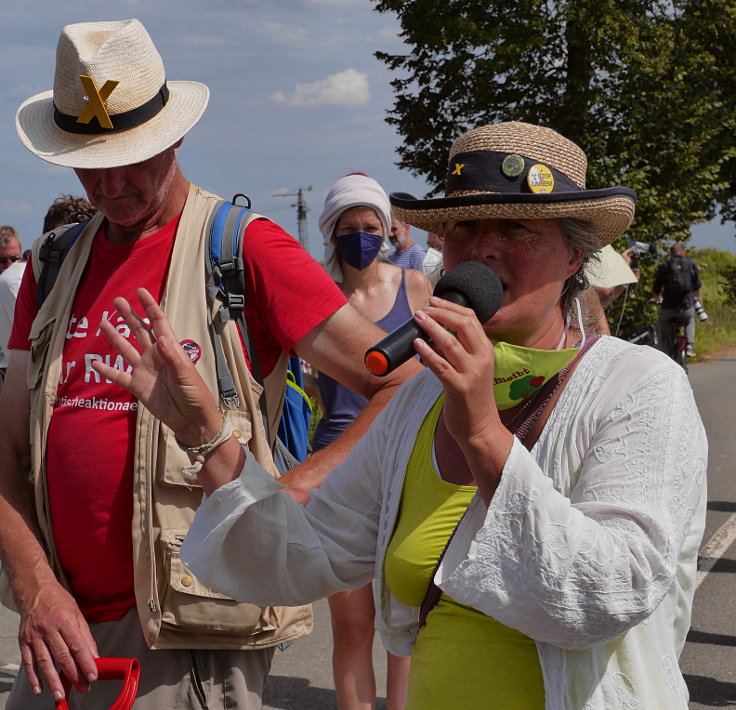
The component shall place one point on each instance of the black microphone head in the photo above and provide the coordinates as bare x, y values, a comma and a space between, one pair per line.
477, 283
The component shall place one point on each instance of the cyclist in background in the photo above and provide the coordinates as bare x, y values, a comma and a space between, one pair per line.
676, 287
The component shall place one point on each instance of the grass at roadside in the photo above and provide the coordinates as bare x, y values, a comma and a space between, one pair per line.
718, 333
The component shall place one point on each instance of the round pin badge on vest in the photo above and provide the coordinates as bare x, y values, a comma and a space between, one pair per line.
513, 165
192, 349
540, 179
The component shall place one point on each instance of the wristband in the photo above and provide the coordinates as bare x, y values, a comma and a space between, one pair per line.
200, 453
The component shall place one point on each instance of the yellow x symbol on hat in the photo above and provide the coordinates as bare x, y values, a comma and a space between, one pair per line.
96, 106
458, 168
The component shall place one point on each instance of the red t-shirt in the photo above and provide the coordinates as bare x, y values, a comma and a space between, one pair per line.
89, 457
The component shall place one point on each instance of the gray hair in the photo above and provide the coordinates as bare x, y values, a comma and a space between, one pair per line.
8, 234
582, 239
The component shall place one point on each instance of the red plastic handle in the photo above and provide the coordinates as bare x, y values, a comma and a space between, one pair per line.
127, 669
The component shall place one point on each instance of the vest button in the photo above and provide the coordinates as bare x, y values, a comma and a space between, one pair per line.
186, 581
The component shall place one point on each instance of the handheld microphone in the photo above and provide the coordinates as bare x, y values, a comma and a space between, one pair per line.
469, 284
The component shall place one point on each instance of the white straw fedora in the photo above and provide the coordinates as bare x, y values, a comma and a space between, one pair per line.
111, 104
519, 171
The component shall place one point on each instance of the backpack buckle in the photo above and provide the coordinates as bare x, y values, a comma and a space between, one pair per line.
227, 268
235, 302
50, 253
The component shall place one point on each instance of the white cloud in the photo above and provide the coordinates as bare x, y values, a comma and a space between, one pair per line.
346, 88
282, 33
14, 208
386, 35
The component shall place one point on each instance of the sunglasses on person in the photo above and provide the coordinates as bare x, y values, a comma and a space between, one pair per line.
8, 259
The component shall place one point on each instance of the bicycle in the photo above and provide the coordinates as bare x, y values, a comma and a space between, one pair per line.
677, 345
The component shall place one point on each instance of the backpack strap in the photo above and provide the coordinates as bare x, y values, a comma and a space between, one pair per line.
528, 432
51, 255
226, 287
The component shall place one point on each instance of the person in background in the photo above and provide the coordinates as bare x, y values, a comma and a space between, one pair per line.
406, 253
677, 287
10, 247
432, 264
354, 221
610, 276
66, 209
62, 211
12, 266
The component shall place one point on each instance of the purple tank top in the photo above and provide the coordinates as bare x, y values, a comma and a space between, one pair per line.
342, 404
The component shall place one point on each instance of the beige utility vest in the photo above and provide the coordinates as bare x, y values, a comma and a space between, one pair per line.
176, 610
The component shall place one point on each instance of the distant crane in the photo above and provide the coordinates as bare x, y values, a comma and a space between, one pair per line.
301, 213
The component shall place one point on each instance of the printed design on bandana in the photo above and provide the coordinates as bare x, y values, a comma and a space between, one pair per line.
526, 386
520, 371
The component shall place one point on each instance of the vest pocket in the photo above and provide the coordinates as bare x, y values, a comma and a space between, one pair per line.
171, 466
40, 340
187, 604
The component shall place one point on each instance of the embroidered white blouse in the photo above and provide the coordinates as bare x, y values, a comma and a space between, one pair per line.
589, 545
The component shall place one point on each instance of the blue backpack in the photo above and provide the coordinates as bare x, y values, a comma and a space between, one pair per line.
226, 287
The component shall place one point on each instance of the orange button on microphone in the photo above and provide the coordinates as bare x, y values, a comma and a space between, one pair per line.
376, 362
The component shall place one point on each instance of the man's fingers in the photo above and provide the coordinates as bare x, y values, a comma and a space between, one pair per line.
44, 663
83, 651
29, 666
123, 346
123, 379
138, 327
159, 322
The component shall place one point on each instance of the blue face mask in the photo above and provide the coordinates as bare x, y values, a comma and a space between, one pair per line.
359, 249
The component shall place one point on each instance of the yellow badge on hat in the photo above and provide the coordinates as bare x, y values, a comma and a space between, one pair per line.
96, 98
540, 179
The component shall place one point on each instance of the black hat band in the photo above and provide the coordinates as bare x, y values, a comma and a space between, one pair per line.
120, 121
483, 171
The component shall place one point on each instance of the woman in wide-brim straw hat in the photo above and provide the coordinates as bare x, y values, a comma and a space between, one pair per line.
575, 465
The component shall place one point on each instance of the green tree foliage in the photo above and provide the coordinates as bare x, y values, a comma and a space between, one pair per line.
646, 87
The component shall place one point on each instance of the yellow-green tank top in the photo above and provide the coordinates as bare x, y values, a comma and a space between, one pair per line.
462, 659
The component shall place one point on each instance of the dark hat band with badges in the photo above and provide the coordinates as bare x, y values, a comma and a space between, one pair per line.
491, 171
100, 121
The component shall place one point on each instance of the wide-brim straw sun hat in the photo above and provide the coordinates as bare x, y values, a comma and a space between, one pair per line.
111, 104
609, 270
518, 171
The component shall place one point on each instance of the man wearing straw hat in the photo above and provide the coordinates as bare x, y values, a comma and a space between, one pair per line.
91, 547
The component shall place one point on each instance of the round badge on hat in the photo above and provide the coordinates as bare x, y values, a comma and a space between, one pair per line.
540, 179
192, 349
513, 165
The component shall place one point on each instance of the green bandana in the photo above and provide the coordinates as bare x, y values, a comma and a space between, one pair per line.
520, 372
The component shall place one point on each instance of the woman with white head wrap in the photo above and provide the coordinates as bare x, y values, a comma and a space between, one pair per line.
354, 222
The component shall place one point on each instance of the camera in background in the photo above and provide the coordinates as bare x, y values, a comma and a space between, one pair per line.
640, 249
702, 315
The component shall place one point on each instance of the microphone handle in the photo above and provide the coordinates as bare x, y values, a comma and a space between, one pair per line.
398, 346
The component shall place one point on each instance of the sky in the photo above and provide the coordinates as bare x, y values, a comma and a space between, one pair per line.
297, 100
